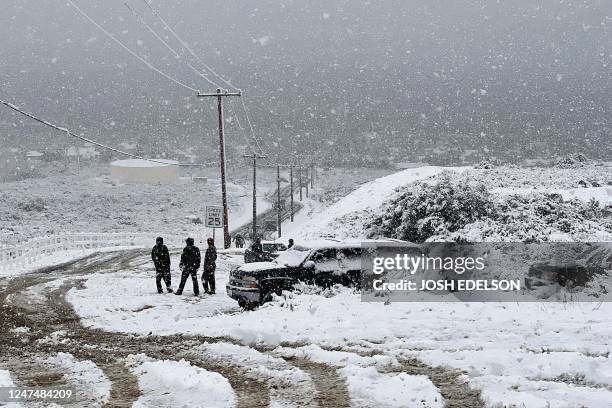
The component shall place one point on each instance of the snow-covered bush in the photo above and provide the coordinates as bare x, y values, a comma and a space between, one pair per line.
485, 165
572, 160
34, 204
436, 206
451, 207
537, 218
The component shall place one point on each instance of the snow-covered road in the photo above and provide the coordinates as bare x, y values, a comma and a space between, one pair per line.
46, 342
288, 353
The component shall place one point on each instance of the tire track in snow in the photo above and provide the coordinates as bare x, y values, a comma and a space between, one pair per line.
288, 385
53, 326
456, 391
330, 388
326, 387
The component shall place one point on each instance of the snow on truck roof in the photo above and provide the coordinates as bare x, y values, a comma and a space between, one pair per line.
319, 244
298, 253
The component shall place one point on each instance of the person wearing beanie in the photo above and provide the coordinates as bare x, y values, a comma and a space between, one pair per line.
208, 273
190, 263
161, 260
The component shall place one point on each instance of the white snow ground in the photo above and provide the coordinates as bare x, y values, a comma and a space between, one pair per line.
89, 381
7, 381
367, 385
166, 383
531, 354
92, 202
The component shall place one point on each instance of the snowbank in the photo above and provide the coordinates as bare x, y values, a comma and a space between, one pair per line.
89, 381
165, 383
7, 381
367, 382
368, 387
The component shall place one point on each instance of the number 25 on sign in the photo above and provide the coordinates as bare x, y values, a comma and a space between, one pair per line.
214, 216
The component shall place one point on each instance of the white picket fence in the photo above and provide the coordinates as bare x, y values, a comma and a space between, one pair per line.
25, 254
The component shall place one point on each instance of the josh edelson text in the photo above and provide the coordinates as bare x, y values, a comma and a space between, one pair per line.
390, 272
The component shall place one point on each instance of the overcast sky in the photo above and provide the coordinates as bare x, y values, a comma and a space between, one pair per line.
317, 66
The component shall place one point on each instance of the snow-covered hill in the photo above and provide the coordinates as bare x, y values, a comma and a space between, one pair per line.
577, 198
343, 219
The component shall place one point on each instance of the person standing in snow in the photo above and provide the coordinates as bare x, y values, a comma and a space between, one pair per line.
161, 260
257, 246
239, 240
291, 243
257, 249
208, 273
190, 263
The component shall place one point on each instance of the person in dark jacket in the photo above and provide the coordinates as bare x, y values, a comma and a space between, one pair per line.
208, 273
161, 260
190, 263
257, 246
239, 240
291, 243
257, 249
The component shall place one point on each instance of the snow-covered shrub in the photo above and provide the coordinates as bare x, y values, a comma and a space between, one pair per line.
32, 205
537, 218
437, 206
485, 165
572, 160
458, 208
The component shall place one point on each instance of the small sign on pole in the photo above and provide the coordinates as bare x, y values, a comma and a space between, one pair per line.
214, 216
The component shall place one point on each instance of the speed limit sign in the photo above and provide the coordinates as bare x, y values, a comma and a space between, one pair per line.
214, 216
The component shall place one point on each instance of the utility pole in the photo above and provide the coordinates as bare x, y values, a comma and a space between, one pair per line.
219, 95
291, 182
306, 181
254, 157
300, 180
278, 203
312, 175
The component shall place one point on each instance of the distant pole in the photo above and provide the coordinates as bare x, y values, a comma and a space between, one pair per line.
219, 94
306, 181
254, 157
300, 181
291, 183
254, 197
278, 202
312, 175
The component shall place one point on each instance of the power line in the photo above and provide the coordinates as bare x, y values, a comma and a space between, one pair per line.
71, 134
246, 112
242, 130
125, 47
194, 55
186, 46
176, 54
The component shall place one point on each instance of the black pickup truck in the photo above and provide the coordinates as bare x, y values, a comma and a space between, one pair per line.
324, 264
